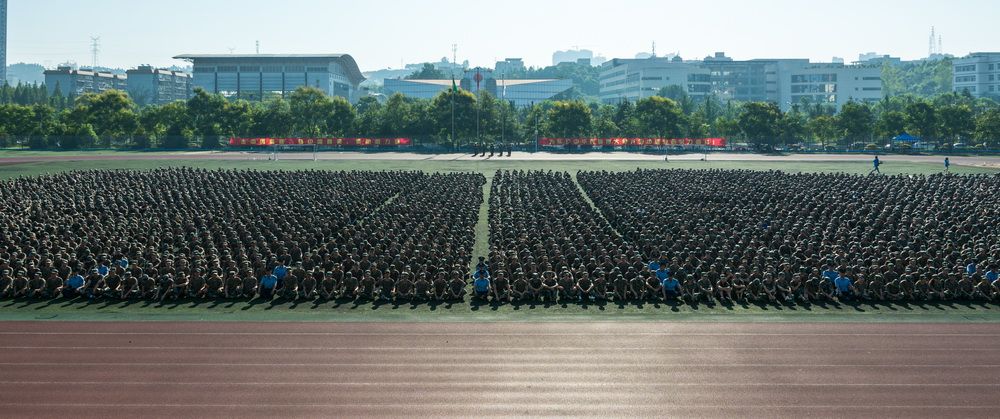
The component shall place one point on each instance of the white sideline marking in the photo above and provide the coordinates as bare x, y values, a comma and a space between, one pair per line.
491, 334
485, 348
489, 364
489, 384
587, 407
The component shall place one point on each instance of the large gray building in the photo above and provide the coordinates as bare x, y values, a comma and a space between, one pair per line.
3, 41
257, 76
782, 81
979, 74
71, 82
152, 86
521, 93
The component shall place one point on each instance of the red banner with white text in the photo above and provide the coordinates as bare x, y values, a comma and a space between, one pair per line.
324, 142
633, 142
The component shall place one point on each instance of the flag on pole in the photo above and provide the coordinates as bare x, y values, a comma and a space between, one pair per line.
454, 86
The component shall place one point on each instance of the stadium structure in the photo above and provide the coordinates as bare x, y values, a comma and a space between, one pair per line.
260, 76
520, 92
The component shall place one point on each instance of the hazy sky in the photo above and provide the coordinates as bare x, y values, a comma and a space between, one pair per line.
383, 33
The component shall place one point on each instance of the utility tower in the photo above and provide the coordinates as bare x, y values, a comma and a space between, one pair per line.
95, 48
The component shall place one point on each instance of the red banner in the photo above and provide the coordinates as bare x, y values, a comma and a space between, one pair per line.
636, 142
324, 142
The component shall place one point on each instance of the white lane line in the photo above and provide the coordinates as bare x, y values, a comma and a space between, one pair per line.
480, 406
490, 364
424, 384
616, 335
488, 348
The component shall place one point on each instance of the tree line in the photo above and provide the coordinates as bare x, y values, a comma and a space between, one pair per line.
112, 119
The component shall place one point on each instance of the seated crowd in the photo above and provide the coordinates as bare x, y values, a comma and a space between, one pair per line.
740, 236
736, 235
173, 233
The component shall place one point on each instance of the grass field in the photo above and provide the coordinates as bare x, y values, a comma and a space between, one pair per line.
347, 311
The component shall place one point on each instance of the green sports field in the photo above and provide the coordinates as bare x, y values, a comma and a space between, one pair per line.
349, 311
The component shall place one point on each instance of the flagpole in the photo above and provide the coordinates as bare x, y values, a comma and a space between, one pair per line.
503, 108
454, 140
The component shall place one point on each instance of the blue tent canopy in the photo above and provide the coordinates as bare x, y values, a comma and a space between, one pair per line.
906, 138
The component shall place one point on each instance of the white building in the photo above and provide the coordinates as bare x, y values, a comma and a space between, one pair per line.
259, 76
828, 83
783, 81
634, 79
520, 92
978, 73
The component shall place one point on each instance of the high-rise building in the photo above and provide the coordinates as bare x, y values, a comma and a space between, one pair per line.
153, 86
259, 76
511, 66
70, 82
572, 56
979, 74
783, 81
3, 41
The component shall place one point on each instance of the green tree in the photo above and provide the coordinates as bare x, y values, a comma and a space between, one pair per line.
111, 114
856, 122
568, 120
659, 117
427, 72
311, 109
792, 128
397, 117
463, 103
988, 128
957, 122
165, 125
890, 124
341, 119
922, 120
823, 129
205, 115
273, 119
369, 120
759, 122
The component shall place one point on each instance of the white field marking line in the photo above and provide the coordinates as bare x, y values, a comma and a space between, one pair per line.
480, 406
487, 384
489, 364
486, 348
490, 334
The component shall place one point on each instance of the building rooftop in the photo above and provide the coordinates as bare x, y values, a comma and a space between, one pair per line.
344, 59
500, 82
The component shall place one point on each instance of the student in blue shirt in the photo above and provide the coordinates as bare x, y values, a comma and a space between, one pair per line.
73, 286
280, 272
671, 288
947, 164
662, 272
992, 275
481, 284
268, 282
970, 269
875, 165
844, 286
829, 274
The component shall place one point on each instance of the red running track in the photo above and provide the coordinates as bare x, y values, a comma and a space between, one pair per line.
179, 370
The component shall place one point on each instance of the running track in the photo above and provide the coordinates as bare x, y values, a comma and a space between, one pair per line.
180, 370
